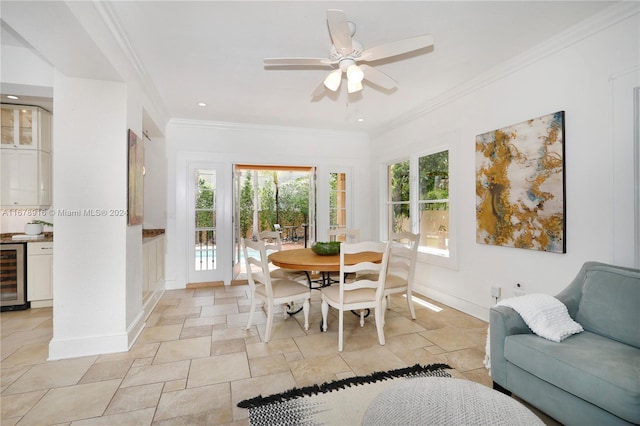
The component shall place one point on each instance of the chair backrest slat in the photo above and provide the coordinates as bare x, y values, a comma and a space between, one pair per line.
404, 251
272, 240
349, 235
255, 254
380, 268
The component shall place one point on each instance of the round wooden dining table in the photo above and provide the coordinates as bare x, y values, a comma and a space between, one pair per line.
305, 259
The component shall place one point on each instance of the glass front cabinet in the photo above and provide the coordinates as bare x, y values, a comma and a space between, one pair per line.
25, 155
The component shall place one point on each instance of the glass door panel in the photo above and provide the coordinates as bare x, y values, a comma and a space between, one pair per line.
205, 218
237, 248
7, 126
205, 257
25, 130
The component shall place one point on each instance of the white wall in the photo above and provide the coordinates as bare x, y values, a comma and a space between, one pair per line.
89, 172
97, 262
230, 144
20, 65
155, 183
576, 79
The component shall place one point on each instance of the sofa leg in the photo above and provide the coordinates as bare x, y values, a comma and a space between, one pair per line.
501, 389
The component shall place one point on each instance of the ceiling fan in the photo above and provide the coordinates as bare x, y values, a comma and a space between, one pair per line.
347, 54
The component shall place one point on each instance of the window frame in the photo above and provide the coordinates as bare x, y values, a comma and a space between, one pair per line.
450, 261
345, 196
323, 213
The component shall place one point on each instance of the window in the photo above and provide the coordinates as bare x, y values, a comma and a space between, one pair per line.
418, 201
337, 200
433, 203
399, 209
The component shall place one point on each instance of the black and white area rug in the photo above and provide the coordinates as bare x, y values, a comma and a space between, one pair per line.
341, 402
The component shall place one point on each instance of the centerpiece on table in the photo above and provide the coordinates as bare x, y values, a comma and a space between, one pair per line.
330, 248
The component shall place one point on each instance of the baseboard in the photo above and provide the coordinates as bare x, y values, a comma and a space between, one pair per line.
469, 308
42, 303
135, 329
205, 284
152, 300
87, 346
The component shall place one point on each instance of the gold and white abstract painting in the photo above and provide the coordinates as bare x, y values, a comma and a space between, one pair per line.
520, 199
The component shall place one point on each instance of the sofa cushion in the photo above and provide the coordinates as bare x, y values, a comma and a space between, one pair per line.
601, 371
609, 304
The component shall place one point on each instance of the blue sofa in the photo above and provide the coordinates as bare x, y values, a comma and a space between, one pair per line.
590, 378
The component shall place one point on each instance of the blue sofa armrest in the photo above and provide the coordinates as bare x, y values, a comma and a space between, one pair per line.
503, 322
571, 294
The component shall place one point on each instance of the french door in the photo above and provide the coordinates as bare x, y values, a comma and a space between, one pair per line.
208, 239
237, 238
257, 206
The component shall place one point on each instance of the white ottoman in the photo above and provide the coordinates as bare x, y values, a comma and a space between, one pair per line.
446, 401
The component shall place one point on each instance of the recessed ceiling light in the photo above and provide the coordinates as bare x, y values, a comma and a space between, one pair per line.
202, 104
360, 120
12, 97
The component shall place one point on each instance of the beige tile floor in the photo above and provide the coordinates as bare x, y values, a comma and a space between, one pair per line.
195, 360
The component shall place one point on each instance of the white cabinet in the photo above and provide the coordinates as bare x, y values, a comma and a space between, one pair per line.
25, 127
40, 274
25, 178
152, 264
25, 157
19, 182
146, 279
160, 259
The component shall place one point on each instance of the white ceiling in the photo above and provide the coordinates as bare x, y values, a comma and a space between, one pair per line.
212, 52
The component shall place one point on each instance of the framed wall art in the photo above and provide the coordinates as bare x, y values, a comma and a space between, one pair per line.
135, 180
520, 185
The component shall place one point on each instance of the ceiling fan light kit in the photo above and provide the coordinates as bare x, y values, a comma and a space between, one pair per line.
332, 82
354, 86
354, 77
345, 53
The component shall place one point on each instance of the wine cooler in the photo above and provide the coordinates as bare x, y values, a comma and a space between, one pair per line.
13, 277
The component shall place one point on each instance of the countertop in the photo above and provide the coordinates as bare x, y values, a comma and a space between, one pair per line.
147, 234
7, 238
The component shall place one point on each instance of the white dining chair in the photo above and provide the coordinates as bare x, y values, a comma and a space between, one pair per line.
272, 243
348, 235
401, 268
357, 295
270, 292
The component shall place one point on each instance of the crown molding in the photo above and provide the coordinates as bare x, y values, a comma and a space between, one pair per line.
590, 26
224, 125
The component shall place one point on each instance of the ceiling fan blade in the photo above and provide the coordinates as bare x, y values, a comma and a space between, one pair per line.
339, 31
299, 61
397, 48
319, 91
377, 77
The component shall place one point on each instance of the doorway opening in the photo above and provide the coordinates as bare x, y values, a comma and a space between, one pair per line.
275, 198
